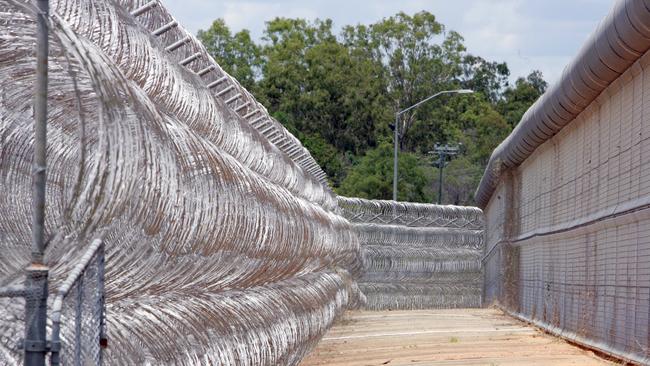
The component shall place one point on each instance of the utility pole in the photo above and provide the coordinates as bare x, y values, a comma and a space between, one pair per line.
395, 150
396, 129
443, 151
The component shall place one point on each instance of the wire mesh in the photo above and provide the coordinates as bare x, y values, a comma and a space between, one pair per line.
78, 312
618, 42
23, 318
568, 245
12, 329
411, 261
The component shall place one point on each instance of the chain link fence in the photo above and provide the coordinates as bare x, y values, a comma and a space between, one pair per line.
76, 315
567, 198
13, 319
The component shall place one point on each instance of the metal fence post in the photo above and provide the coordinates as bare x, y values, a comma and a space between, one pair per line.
40, 136
36, 316
103, 337
35, 345
441, 166
77, 320
395, 153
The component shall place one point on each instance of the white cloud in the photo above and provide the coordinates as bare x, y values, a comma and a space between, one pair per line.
241, 14
527, 34
494, 25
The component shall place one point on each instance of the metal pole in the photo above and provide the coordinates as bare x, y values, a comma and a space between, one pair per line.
37, 272
40, 128
443, 152
440, 167
396, 141
36, 315
103, 336
396, 138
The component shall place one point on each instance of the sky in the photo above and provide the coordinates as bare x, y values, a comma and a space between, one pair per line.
528, 34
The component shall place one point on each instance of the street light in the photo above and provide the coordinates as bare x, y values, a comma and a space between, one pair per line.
396, 138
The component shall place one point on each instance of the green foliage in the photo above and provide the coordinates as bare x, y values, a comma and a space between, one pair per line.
516, 100
327, 156
414, 64
372, 176
483, 128
339, 93
322, 84
484, 77
460, 179
237, 54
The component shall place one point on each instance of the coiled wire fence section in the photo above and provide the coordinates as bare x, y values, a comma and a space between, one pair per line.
221, 248
224, 244
418, 256
192, 55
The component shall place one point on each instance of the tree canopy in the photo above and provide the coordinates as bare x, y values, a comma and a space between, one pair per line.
339, 92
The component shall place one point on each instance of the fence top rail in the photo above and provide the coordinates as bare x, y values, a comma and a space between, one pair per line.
14, 291
73, 277
618, 42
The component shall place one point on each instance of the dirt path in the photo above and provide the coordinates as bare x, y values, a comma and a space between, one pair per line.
464, 337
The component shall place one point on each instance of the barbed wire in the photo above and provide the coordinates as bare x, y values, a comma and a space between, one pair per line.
418, 255
410, 213
220, 248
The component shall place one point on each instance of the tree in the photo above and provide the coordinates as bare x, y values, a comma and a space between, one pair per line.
338, 94
482, 131
372, 176
327, 90
415, 66
238, 55
460, 179
487, 78
517, 100
326, 155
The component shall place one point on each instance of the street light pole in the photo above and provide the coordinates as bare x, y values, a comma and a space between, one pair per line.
396, 129
441, 165
396, 148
